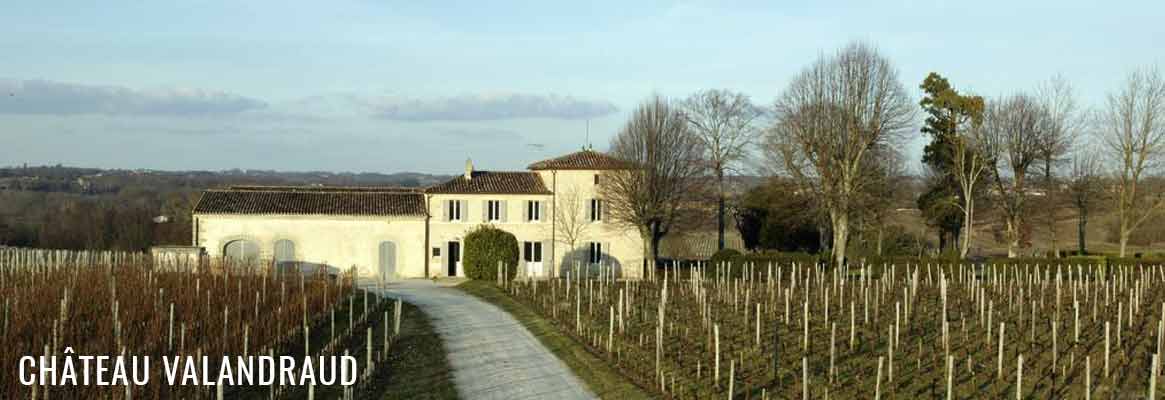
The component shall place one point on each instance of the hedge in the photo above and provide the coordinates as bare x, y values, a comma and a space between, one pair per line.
485, 246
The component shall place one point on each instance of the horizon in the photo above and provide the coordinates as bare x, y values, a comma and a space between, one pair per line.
390, 87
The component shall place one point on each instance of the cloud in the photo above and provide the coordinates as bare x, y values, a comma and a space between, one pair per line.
484, 108
60, 98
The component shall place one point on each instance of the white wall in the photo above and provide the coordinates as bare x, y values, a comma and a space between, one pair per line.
623, 246
337, 241
622, 243
441, 231
344, 241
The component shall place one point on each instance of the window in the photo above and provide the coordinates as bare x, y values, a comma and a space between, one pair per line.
241, 251
596, 179
284, 253
596, 210
436, 252
533, 211
595, 255
493, 211
453, 210
533, 252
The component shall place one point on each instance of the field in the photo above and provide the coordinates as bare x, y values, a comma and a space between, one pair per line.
112, 304
904, 331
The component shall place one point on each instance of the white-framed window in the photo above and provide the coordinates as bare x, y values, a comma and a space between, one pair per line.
596, 211
493, 210
453, 210
533, 211
595, 252
532, 252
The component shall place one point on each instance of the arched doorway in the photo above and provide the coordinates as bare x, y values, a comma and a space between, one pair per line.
285, 254
241, 251
387, 260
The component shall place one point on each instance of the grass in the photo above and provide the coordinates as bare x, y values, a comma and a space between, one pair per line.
416, 368
599, 376
419, 368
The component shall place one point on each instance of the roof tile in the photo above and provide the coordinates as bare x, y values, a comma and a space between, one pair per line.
493, 182
312, 201
585, 159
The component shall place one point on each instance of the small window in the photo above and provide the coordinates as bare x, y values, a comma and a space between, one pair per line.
532, 252
596, 179
595, 255
596, 210
533, 211
436, 252
453, 210
493, 210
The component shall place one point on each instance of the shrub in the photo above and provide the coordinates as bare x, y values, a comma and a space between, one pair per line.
1126, 261
485, 246
725, 256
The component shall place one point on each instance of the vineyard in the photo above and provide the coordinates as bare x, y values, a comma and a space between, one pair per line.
897, 331
113, 304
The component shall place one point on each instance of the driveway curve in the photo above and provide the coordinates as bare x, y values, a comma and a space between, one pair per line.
491, 354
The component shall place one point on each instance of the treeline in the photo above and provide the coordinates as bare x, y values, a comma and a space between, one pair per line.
62, 207
1001, 174
129, 220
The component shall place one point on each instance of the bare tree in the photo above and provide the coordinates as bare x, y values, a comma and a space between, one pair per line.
970, 162
663, 184
1014, 128
725, 122
1062, 126
571, 223
1133, 130
829, 119
1085, 190
884, 174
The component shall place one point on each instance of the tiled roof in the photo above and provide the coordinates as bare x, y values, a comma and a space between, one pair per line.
357, 189
362, 201
586, 159
699, 245
493, 182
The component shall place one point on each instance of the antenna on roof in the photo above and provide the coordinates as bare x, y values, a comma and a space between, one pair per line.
587, 145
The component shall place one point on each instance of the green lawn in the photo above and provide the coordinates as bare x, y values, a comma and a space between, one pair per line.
418, 367
600, 377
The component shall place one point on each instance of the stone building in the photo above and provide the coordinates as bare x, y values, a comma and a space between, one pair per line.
553, 209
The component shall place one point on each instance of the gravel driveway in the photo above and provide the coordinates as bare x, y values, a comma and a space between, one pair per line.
492, 355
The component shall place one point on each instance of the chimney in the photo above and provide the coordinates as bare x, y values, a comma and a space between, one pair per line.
468, 169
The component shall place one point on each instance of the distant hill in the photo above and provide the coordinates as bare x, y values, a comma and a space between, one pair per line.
78, 180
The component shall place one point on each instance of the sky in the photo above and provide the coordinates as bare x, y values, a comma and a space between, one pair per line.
388, 86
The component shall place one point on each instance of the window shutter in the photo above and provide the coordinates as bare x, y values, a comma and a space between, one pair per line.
607, 253
485, 211
602, 210
504, 205
546, 253
445, 210
542, 211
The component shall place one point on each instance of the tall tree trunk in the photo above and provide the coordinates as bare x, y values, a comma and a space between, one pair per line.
656, 236
1124, 236
1012, 237
1051, 207
720, 210
968, 220
840, 236
880, 231
942, 240
1081, 224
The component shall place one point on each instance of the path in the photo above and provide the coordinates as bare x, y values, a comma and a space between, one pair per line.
492, 355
